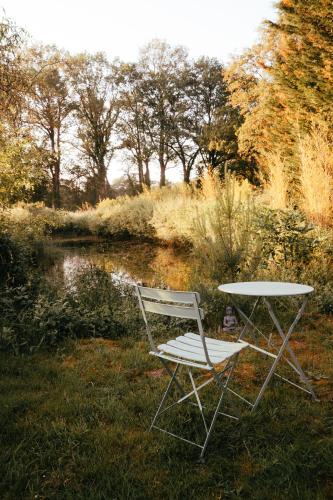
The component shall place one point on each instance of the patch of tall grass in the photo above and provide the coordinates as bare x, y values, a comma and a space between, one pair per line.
224, 236
316, 165
314, 179
275, 194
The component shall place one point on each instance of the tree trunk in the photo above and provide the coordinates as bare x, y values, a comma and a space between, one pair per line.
186, 173
55, 169
147, 175
140, 172
103, 184
162, 175
56, 184
161, 159
162, 170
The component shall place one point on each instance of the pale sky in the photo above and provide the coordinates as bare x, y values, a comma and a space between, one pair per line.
217, 28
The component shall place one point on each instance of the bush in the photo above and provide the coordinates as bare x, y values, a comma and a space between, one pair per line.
39, 314
287, 238
21, 248
125, 217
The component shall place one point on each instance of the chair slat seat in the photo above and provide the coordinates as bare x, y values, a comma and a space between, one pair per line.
209, 340
179, 353
192, 349
193, 339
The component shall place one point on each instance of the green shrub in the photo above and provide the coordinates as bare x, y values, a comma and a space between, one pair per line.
125, 217
40, 314
287, 237
21, 247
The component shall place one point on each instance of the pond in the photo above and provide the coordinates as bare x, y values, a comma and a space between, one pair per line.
127, 261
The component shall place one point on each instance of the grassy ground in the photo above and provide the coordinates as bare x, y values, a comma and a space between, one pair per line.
74, 425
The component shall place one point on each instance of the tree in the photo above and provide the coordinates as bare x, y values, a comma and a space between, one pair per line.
303, 55
134, 125
216, 121
48, 108
160, 65
12, 78
96, 94
183, 143
21, 175
182, 120
284, 84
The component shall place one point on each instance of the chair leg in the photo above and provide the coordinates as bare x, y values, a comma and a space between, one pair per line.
171, 381
224, 388
198, 400
170, 372
228, 370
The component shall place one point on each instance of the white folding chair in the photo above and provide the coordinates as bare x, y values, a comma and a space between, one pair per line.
193, 350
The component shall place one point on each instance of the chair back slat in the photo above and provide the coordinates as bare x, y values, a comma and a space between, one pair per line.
183, 305
169, 295
171, 310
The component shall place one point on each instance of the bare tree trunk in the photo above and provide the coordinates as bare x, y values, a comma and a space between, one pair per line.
162, 173
141, 175
161, 158
147, 175
186, 174
55, 170
103, 184
56, 184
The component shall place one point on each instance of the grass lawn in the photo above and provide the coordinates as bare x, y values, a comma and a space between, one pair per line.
74, 425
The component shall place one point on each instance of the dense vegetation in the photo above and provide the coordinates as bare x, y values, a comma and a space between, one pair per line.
255, 146
260, 243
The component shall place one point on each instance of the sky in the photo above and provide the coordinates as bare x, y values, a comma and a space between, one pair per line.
215, 28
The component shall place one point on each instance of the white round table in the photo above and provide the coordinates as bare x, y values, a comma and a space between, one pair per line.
262, 290
265, 289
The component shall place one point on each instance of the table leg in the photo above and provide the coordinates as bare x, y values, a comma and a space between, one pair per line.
248, 322
280, 354
297, 367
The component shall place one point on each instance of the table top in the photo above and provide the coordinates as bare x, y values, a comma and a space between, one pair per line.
265, 288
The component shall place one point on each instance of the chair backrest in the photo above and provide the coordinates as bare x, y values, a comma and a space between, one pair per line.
171, 303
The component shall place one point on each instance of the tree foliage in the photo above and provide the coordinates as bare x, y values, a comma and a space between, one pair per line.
284, 84
167, 110
95, 97
48, 107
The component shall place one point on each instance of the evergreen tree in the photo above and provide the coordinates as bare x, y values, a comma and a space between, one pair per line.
285, 83
303, 59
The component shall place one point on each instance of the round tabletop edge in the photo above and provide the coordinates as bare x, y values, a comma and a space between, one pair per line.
265, 288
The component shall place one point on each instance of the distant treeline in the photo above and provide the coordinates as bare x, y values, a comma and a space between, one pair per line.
63, 116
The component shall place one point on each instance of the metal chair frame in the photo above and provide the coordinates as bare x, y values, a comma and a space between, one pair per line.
158, 301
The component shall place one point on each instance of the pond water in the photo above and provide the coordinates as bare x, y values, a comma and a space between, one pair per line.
126, 261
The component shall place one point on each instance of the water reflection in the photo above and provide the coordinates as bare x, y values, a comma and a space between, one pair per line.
126, 261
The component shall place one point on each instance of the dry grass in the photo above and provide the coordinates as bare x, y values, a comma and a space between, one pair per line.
316, 165
275, 192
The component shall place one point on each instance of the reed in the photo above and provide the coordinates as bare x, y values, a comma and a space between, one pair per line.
316, 172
